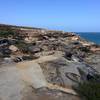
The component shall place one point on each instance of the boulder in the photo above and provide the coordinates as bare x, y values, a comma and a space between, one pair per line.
34, 49
5, 51
4, 42
68, 55
13, 48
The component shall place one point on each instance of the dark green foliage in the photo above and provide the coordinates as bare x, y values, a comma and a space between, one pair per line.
23, 47
21, 44
6, 33
90, 89
84, 49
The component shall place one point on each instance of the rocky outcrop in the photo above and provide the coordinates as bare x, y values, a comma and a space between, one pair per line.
48, 62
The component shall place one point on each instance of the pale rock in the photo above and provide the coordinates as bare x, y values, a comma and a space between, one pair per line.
13, 48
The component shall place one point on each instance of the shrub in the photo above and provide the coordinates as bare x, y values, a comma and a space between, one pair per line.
85, 49
6, 33
90, 89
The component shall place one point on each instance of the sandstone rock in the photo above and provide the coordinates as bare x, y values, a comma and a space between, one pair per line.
13, 48
30, 39
11, 85
32, 74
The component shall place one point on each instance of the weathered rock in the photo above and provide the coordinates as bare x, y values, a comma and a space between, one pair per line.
29, 57
13, 48
52, 47
34, 49
11, 85
5, 51
4, 42
8, 60
68, 55
32, 74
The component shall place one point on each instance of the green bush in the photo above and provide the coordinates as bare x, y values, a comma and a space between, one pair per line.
23, 47
6, 33
85, 49
90, 89
20, 44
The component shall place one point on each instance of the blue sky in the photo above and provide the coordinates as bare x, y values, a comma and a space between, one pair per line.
68, 15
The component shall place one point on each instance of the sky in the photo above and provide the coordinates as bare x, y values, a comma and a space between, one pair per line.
67, 15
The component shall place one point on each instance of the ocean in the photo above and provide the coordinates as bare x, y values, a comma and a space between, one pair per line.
90, 36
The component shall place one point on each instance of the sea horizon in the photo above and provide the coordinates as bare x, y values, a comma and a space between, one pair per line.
90, 36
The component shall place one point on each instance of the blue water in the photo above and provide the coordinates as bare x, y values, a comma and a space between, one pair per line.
93, 37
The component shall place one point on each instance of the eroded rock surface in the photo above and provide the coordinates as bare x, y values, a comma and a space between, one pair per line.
38, 64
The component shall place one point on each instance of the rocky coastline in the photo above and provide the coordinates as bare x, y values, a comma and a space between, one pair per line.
48, 63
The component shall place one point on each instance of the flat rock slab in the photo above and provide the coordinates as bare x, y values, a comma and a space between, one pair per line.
16, 78
13, 78
32, 74
10, 83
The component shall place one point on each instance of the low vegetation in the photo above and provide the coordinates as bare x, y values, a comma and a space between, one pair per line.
5, 34
91, 89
